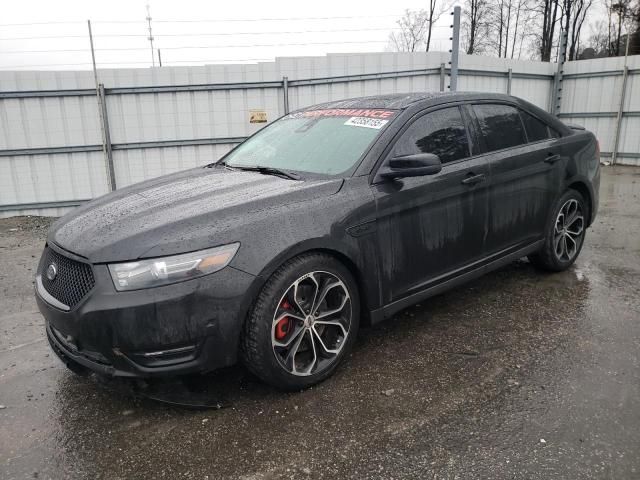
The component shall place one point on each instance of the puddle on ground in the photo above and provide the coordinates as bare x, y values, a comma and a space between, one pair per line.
193, 392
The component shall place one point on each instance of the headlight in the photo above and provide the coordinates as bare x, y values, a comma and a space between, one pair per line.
162, 271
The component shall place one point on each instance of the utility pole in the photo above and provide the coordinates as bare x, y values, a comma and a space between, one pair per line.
455, 49
150, 37
159, 58
93, 57
102, 111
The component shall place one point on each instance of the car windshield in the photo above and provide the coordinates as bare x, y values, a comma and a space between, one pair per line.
328, 141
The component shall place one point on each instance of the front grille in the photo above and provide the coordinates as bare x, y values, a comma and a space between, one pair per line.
73, 280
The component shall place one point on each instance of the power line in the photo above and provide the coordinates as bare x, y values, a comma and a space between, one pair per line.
49, 37
276, 44
7, 67
274, 33
217, 20
74, 50
38, 24
208, 34
270, 19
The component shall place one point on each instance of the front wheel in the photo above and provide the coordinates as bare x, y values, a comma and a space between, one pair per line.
303, 323
565, 236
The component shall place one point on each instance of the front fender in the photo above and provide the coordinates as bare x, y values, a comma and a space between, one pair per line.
317, 225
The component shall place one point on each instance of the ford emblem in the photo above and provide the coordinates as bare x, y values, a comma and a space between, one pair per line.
52, 272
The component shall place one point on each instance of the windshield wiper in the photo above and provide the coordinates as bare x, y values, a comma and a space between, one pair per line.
268, 171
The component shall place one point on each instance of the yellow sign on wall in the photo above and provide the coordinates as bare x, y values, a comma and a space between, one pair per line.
258, 116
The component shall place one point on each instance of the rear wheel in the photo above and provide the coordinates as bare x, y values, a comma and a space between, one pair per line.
303, 323
565, 236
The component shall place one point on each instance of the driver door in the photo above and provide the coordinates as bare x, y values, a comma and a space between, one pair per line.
431, 227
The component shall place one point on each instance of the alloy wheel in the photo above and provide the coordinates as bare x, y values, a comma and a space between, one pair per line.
311, 323
569, 231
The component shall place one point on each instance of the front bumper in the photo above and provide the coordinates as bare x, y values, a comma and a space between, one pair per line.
187, 327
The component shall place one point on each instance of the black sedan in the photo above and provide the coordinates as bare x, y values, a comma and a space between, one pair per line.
332, 217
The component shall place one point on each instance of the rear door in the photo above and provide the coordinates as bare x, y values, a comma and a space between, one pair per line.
430, 226
526, 173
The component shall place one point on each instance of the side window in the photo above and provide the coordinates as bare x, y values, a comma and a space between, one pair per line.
536, 129
441, 132
500, 126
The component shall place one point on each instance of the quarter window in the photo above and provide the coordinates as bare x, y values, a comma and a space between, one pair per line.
536, 129
500, 126
441, 132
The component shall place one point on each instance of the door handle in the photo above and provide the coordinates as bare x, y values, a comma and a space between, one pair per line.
473, 179
552, 158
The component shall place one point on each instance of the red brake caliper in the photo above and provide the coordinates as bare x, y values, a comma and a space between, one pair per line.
284, 324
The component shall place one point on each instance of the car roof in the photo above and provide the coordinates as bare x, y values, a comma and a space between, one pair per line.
404, 100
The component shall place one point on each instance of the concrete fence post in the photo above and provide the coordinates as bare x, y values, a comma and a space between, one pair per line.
107, 137
102, 109
552, 95
616, 140
557, 85
625, 75
285, 92
455, 49
107, 177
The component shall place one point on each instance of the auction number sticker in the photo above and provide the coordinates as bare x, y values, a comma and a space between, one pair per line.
366, 122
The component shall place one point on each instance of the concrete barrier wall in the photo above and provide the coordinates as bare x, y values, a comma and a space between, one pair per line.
162, 120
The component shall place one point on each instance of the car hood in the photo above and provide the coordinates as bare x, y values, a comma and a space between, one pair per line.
177, 213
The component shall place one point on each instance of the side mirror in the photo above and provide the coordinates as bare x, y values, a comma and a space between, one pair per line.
412, 166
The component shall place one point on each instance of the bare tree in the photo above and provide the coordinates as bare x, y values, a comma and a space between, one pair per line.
598, 42
503, 25
634, 47
509, 7
415, 28
499, 24
549, 11
502, 20
579, 15
509, 24
622, 12
476, 15
607, 38
435, 13
560, 17
411, 34
515, 29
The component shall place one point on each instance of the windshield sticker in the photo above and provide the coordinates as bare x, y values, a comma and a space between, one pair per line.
366, 122
346, 112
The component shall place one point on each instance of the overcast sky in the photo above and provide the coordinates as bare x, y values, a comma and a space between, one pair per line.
223, 31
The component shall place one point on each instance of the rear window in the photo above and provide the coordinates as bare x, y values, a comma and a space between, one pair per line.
500, 126
536, 129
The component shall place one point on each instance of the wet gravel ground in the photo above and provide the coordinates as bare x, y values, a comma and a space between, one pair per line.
519, 374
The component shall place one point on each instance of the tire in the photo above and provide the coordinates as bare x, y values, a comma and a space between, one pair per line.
286, 331
556, 256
